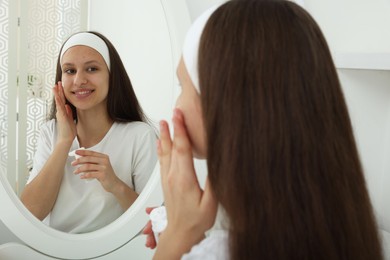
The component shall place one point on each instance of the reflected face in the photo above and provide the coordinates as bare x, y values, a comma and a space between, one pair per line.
85, 78
190, 104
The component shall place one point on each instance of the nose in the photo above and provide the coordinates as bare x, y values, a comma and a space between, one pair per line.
80, 78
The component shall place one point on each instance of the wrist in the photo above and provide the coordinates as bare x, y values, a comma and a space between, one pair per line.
64, 145
123, 193
118, 187
173, 243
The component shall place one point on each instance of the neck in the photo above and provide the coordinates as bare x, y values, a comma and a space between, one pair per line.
92, 127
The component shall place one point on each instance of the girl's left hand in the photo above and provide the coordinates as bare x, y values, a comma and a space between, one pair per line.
191, 211
95, 165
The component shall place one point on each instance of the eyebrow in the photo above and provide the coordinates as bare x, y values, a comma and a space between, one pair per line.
85, 63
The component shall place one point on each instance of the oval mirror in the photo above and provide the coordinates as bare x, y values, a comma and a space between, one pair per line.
148, 35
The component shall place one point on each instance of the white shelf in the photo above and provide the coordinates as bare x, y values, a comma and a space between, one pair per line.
364, 61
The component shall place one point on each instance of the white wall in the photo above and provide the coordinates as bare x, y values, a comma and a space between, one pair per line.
196, 7
353, 25
367, 94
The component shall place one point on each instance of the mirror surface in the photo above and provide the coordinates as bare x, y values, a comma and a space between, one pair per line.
140, 35
38, 43
170, 20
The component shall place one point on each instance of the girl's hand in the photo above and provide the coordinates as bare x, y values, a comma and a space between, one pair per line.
66, 125
95, 165
150, 239
190, 210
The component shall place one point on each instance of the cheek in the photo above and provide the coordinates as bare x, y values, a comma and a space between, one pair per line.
185, 103
107, 89
194, 124
196, 133
65, 82
101, 83
185, 108
179, 101
66, 86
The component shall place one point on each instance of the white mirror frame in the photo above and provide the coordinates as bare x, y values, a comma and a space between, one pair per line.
55, 244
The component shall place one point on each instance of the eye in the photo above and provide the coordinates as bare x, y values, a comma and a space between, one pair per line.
69, 71
92, 69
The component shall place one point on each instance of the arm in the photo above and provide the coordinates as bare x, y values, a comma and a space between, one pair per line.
124, 194
40, 194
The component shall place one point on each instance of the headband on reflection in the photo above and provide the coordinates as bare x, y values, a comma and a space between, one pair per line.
89, 40
191, 45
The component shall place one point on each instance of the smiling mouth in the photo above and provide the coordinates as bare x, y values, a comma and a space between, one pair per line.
82, 93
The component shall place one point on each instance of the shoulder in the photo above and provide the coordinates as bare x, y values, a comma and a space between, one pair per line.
49, 124
134, 134
215, 246
49, 127
135, 128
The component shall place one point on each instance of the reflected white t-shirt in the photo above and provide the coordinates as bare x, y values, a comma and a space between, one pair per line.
83, 205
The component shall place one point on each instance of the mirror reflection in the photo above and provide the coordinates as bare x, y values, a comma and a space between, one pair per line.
95, 108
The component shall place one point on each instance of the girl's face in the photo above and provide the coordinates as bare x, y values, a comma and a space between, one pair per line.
85, 78
190, 104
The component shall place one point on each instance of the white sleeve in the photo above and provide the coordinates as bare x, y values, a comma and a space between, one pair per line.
145, 159
44, 149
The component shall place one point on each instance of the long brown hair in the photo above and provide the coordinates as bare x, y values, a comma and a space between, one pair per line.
122, 103
282, 158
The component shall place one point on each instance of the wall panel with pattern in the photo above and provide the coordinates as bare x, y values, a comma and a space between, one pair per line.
46, 24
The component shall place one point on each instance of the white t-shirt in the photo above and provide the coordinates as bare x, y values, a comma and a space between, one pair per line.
83, 205
216, 244
214, 247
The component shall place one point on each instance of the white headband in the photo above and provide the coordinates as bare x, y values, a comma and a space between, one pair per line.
191, 45
90, 40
